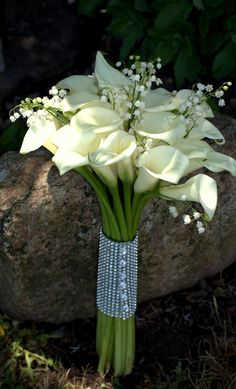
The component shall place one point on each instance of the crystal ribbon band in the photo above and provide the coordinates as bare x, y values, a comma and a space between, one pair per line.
117, 277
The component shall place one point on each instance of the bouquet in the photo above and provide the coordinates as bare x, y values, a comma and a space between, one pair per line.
131, 140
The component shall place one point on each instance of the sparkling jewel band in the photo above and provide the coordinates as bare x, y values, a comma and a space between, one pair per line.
117, 277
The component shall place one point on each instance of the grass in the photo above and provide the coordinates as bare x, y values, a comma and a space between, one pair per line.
184, 341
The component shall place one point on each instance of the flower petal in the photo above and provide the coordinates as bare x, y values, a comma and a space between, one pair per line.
39, 132
161, 163
217, 162
77, 83
200, 188
77, 100
69, 138
158, 100
205, 129
66, 160
161, 125
97, 120
107, 75
116, 147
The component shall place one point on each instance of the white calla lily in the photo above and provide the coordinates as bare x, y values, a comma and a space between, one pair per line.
106, 75
81, 89
77, 100
160, 163
205, 129
200, 188
161, 125
41, 129
83, 136
73, 147
117, 149
66, 160
82, 142
97, 119
158, 100
193, 149
77, 83
217, 162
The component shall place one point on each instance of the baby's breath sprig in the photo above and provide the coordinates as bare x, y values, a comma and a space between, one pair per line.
129, 100
39, 107
207, 91
193, 216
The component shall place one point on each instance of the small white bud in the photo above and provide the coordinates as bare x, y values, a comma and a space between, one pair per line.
186, 219
196, 215
173, 211
200, 86
221, 102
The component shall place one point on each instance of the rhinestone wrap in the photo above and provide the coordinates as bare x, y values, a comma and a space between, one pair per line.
117, 277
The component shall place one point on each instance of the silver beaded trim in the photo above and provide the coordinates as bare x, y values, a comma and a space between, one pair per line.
117, 277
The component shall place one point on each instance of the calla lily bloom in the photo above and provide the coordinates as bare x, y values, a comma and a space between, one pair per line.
116, 150
40, 131
161, 125
83, 136
81, 89
205, 129
160, 163
200, 188
106, 75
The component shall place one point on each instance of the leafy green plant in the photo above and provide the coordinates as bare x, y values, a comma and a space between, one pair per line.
194, 36
21, 355
11, 138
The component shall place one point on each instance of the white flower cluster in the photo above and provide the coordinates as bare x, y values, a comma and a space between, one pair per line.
125, 130
201, 226
188, 219
205, 90
37, 107
129, 100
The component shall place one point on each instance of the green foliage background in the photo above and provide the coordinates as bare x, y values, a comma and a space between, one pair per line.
197, 37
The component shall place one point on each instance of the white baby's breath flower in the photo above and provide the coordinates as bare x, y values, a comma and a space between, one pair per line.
196, 215
173, 211
219, 94
221, 102
201, 230
200, 86
187, 219
104, 99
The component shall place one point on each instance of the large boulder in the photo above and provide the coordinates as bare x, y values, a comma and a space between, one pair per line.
49, 228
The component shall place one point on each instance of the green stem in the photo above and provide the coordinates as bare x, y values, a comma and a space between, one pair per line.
130, 345
107, 338
127, 191
119, 212
103, 199
118, 360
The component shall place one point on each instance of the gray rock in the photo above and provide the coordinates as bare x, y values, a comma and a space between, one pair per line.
49, 228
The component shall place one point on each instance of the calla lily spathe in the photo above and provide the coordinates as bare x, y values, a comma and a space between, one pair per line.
201, 188
82, 137
160, 163
40, 133
116, 150
80, 90
107, 76
164, 126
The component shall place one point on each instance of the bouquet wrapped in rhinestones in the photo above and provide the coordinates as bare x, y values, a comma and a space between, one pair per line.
131, 140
